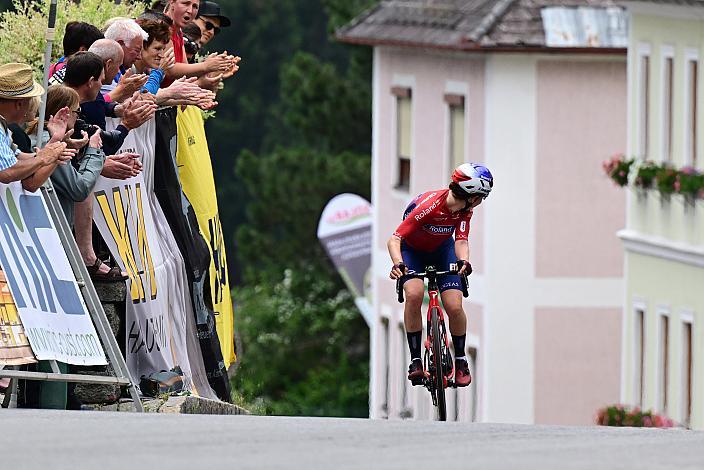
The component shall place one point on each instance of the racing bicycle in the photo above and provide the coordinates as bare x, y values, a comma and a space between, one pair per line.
437, 360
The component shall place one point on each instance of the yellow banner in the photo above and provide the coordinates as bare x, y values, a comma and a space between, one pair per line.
14, 345
196, 172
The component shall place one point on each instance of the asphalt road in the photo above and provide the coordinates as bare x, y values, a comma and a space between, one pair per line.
51, 440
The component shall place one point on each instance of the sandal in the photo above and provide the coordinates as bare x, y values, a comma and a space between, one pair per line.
113, 275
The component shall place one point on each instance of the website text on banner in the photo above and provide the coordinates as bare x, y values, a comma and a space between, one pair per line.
42, 283
196, 172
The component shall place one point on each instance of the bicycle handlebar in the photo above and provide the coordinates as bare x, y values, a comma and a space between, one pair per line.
452, 272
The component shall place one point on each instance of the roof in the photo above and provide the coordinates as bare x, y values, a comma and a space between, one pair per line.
491, 24
687, 3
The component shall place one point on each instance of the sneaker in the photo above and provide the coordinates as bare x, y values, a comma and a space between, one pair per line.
416, 374
462, 375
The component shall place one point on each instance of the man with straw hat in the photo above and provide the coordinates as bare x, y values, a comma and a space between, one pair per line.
17, 88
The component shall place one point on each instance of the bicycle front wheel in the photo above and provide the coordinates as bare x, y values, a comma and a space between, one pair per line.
439, 378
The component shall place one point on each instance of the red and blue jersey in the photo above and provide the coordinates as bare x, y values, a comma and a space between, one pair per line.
427, 222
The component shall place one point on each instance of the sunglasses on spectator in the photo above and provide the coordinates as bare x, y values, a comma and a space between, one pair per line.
209, 26
76, 111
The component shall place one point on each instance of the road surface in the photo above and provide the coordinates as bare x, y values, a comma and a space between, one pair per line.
52, 440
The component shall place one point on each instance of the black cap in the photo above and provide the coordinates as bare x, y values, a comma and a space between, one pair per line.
212, 9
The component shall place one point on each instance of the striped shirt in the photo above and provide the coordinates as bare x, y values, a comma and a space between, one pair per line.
8, 150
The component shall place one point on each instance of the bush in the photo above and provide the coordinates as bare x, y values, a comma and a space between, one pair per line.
23, 31
620, 415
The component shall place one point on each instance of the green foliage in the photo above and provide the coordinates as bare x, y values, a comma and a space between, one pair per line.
322, 109
307, 347
23, 30
666, 179
289, 188
686, 181
619, 415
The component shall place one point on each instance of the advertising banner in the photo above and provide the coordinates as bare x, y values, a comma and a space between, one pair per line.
183, 222
196, 172
345, 230
160, 325
42, 283
14, 345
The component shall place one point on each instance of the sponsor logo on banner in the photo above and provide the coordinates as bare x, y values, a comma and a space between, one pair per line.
115, 209
125, 222
42, 282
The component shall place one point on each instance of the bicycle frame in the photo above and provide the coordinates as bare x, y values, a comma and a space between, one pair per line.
437, 360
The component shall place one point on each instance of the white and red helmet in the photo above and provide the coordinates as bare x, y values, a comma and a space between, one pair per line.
473, 179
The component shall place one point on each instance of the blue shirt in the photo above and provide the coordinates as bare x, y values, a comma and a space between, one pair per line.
8, 151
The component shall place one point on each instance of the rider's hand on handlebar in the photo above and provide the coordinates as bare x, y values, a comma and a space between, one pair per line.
398, 270
464, 267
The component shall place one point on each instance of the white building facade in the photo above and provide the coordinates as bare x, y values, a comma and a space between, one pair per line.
545, 307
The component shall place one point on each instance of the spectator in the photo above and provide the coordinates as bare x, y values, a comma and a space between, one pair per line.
85, 73
78, 36
17, 88
19, 136
210, 20
155, 58
209, 72
130, 36
71, 184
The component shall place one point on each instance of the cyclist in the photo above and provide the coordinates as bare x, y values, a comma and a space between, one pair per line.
425, 238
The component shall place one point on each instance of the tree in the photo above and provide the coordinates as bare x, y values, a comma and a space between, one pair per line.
305, 346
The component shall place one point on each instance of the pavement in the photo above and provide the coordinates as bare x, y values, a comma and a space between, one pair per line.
41, 439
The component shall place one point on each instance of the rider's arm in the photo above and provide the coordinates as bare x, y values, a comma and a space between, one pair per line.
462, 249
394, 246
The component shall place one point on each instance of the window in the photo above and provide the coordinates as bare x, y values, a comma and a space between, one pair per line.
687, 382
663, 362
638, 356
644, 105
667, 99
457, 130
403, 137
692, 74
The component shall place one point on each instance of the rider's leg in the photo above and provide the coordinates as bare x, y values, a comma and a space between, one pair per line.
452, 301
414, 290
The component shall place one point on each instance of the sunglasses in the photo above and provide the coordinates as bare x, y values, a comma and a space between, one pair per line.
209, 26
76, 111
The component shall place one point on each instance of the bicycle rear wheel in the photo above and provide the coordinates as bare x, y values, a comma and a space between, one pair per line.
439, 374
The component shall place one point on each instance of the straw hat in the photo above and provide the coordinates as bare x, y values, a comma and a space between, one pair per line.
17, 82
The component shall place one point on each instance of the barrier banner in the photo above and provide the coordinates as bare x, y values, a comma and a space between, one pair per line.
183, 223
14, 345
42, 282
196, 172
345, 230
158, 307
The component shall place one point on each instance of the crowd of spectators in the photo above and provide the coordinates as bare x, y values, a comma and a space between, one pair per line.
125, 69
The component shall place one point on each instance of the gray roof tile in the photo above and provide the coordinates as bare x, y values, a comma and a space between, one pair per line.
457, 24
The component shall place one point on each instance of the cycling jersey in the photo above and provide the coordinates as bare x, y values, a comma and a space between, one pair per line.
427, 222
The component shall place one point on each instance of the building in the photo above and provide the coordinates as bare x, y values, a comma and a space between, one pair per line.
664, 235
536, 90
